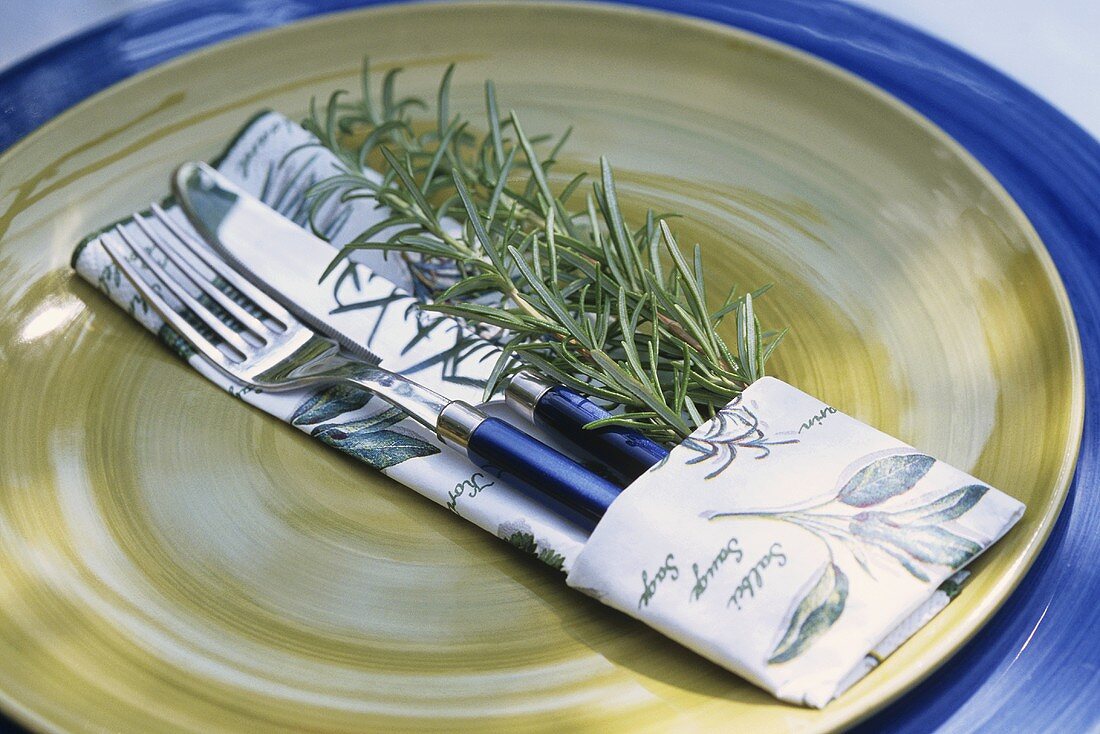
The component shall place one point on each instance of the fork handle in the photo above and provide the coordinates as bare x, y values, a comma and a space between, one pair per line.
623, 453
541, 472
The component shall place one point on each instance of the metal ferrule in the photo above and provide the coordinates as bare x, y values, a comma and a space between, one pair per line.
525, 390
457, 422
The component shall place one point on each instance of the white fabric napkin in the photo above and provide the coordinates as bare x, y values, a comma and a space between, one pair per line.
663, 513
785, 541
267, 160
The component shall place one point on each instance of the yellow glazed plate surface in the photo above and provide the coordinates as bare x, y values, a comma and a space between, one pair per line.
171, 559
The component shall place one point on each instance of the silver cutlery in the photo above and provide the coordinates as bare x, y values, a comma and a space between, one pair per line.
282, 258
254, 340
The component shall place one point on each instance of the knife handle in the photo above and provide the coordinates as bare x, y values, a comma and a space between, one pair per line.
624, 454
543, 473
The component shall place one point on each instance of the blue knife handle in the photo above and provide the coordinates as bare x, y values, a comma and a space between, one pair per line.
623, 454
542, 472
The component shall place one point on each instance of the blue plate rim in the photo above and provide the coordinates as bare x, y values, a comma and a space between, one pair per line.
1046, 162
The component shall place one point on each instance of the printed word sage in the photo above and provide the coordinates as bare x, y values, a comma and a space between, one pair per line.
668, 570
729, 550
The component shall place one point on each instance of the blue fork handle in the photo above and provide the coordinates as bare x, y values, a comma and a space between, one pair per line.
545, 474
623, 454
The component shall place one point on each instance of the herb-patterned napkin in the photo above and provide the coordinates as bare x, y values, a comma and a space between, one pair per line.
785, 541
267, 160
766, 579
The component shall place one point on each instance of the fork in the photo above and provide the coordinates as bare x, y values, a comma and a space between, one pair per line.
255, 341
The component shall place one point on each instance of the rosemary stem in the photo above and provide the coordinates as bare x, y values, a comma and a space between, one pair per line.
600, 304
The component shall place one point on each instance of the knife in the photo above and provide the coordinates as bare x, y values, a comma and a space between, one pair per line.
290, 259
225, 213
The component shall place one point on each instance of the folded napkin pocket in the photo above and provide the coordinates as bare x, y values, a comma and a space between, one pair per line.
786, 541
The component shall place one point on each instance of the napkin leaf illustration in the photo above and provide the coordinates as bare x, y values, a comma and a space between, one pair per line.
927, 543
884, 478
815, 614
374, 441
521, 536
180, 346
328, 403
949, 507
910, 536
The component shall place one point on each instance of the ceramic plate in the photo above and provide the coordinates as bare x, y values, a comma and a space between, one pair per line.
171, 559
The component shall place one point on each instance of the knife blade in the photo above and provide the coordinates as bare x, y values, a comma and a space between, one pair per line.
282, 259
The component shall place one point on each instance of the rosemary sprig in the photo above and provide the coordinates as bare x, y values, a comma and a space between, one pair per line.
573, 290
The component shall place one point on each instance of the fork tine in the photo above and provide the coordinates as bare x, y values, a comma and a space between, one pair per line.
197, 309
234, 309
171, 317
260, 299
